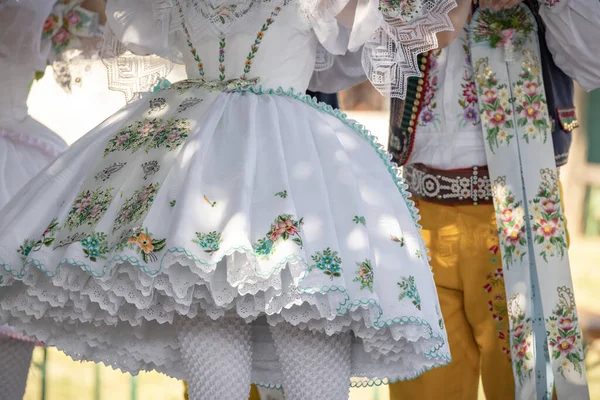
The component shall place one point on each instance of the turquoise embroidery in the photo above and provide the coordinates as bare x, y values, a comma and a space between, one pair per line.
365, 275
47, 239
327, 261
210, 242
95, 246
408, 290
359, 220
284, 227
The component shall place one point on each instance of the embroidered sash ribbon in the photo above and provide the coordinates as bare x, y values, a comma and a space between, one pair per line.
546, 343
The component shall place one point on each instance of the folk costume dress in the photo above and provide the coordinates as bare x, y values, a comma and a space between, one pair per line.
26, 146
478, 234
228, 229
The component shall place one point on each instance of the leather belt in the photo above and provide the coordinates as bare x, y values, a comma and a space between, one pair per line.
454, 187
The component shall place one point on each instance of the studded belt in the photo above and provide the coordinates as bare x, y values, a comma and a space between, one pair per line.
456, 187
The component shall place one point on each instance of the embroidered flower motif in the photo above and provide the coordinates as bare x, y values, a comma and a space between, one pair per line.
211, 203
398, 8
136, 206
428, 114
531, 105
398, 240
365, 275
503, 28
497, 303
210, 242
89, 207
95, 246
548, 220
149, 134
359, 220
282, 194
283, 228
170, 135
47, 239
408, 290
564, 336
511, 223
496, 119
143, 243
522, 339
327, 261
467, 99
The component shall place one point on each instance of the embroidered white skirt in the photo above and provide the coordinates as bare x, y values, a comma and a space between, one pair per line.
263, 205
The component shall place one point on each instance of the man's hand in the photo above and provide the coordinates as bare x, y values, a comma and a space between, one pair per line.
498, 5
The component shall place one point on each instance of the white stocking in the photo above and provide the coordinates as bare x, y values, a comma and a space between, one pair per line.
216, 356
15, 358
315, 366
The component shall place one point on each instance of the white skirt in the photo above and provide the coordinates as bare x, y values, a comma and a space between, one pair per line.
264, 205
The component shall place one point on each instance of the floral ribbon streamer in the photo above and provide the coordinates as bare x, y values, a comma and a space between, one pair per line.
546, 343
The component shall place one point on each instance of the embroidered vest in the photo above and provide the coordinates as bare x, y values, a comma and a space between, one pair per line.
404, 114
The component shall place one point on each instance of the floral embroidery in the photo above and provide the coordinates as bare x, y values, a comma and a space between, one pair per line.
359, 220
151, 134
408, 290
258, 40
136, 206
419, 254
170, 135
548, 220
141, 241
327, 261
495, 108
89, 207
222, 59
497, 305
510, 216
133, 137
563, 333
284, 227
157, 104
188, 103
503, 28
283, 194
172, 203
550, 3
467, 99
95, 246
107, 172
150, 168
365, 275
428, 114
210, 242
47, 239
522, 339
211, 203
398, 240
396, 7
531, 105
188, 39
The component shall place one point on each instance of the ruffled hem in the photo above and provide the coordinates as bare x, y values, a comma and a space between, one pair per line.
47, 147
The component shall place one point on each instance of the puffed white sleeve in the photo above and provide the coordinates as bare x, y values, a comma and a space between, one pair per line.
573, 37
375, 39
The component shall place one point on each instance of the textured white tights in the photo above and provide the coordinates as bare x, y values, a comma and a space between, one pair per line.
315, 366
15, 357
216, 356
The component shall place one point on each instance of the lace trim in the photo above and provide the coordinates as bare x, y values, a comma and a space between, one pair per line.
46, 147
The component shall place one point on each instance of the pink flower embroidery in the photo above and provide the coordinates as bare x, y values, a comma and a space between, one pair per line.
73, 18
531, 88
470, 91
549, 206
565, 345
532, 111
61, 36
497, 118
48, 24
548, 229
122, 139
513, 236
489, 95
522, 350
566, 323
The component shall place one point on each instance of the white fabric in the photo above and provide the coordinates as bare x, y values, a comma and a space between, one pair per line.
329, 356
572, 32
216, 356
387, 40
242, 152
445, 138
15, 356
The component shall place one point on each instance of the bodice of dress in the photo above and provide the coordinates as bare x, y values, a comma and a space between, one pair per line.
278, 47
